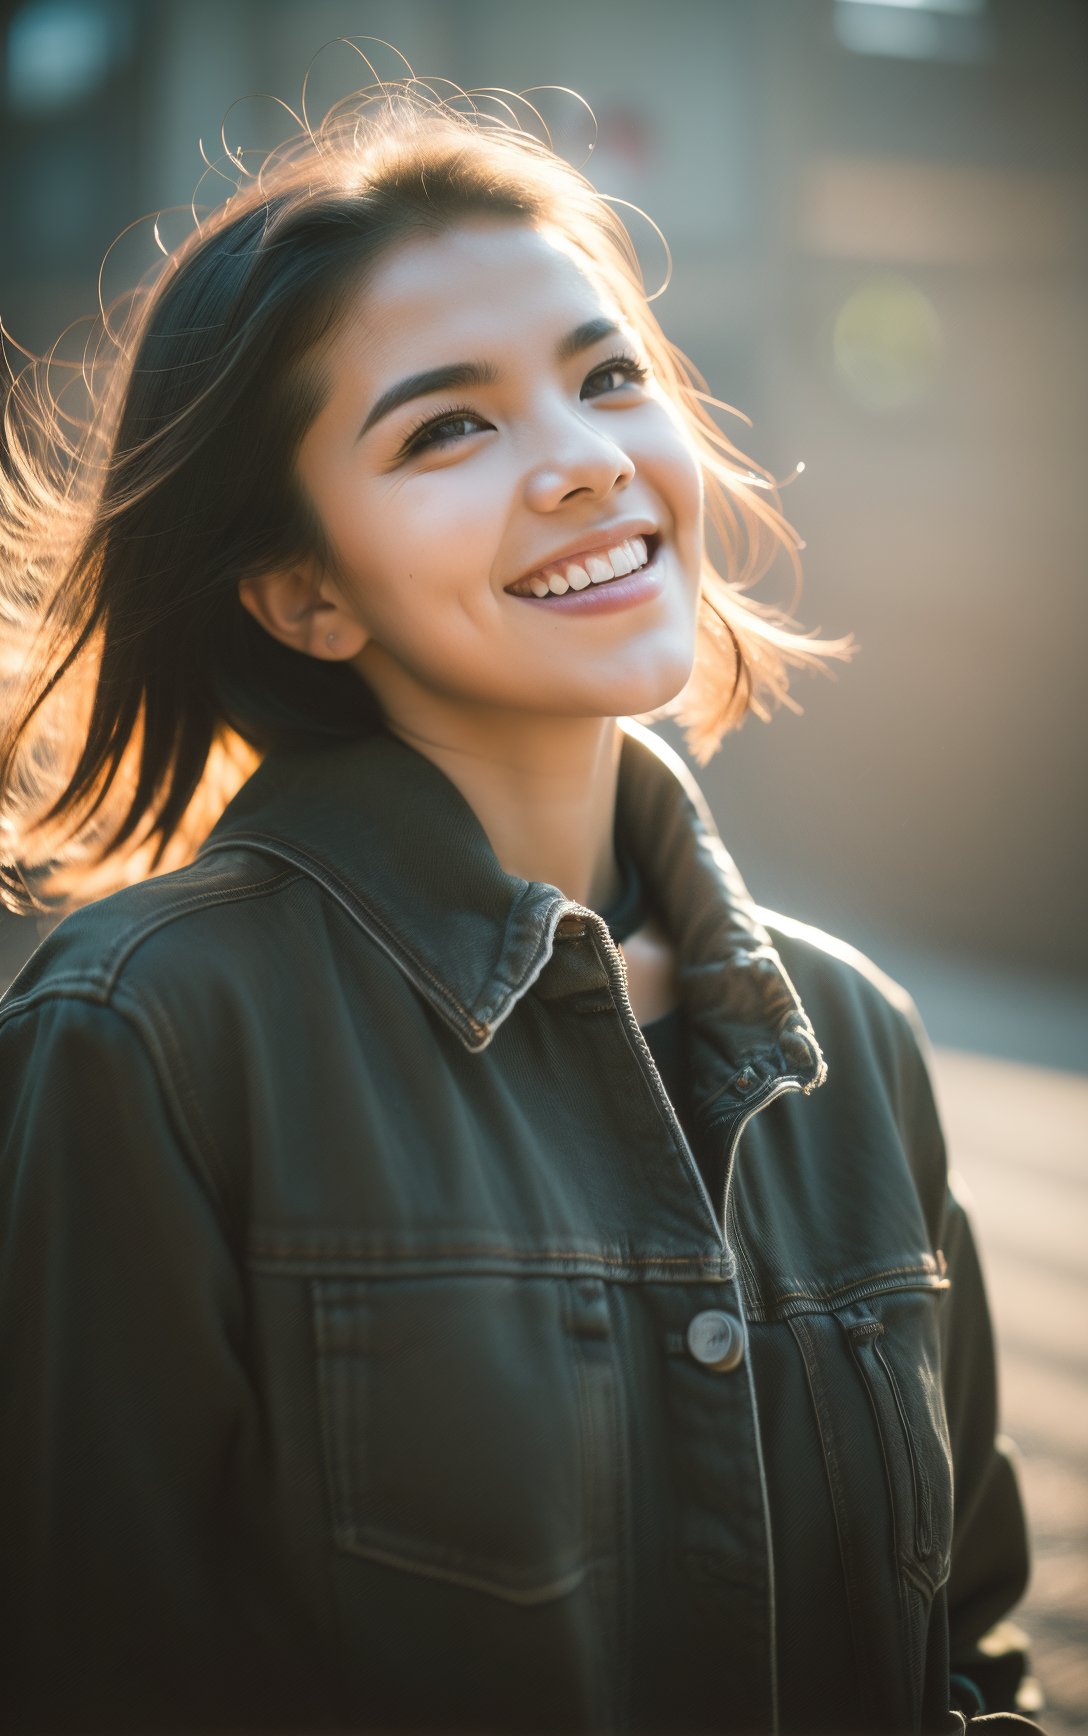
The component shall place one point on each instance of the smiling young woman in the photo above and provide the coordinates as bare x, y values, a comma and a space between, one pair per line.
443, 1285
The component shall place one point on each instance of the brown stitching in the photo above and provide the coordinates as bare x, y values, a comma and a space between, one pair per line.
148, 1040
870, 1278
96, 986
72, 986
197, 900
841, 1507
273, 1249
327, 877
176, 1080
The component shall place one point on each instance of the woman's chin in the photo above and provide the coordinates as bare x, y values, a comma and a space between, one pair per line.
653, 685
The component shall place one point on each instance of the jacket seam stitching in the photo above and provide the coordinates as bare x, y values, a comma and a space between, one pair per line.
274, 1250
183, 1132
878, 1285
74, 985
97, 985
840, 1506
355, 906
196, 900
840, 1289
179, 1092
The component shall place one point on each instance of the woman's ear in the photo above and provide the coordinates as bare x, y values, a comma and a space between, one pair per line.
301, 609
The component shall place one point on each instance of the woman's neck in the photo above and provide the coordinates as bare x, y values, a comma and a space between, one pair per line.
544, 791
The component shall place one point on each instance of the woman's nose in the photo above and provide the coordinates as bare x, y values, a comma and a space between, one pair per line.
577, 459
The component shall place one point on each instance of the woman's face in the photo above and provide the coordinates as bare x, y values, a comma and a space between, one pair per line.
439, 496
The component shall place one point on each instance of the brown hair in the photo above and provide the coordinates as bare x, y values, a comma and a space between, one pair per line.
139, 691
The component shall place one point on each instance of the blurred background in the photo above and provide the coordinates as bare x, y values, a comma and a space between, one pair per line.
878, 214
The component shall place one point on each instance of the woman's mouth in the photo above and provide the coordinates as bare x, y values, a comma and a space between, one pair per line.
608, 579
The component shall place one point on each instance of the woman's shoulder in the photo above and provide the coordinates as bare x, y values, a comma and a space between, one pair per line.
856, 1009
871, 1035
148, 999
193, 923
836, 973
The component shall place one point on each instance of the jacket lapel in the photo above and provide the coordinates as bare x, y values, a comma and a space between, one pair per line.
394, 841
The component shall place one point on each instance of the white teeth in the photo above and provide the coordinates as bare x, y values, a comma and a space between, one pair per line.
594, 569
621, 560
599, 568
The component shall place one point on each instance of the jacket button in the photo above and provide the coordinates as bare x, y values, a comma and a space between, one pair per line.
715, 1339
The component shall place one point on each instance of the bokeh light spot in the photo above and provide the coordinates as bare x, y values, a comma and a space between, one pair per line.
60, 51
887, 343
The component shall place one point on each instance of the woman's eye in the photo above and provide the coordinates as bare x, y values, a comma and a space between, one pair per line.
434, 431
625, 369
440, 430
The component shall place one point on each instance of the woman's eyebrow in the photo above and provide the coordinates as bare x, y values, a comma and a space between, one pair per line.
453, 374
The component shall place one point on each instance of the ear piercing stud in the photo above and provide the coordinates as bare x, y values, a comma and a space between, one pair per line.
330, 640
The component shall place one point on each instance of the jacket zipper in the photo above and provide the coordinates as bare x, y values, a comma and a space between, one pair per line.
618, 973
781, 1088
617, 970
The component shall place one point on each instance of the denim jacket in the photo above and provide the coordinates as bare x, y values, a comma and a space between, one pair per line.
373, 1354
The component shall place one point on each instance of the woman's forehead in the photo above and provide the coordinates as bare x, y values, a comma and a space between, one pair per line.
477, 284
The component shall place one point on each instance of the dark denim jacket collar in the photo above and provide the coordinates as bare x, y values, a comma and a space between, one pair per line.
396, 843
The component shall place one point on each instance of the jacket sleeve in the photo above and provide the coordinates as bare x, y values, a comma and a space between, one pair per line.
128, 1427
990, 1561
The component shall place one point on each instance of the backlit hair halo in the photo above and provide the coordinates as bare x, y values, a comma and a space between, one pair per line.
136, 693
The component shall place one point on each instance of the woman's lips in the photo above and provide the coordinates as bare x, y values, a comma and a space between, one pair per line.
620, 593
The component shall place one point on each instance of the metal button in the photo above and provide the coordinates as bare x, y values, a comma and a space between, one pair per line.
715, 1339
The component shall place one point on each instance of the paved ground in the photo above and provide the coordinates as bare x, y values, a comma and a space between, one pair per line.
1019, 1139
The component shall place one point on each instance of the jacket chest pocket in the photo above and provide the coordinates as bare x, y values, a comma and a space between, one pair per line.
897, 1355
470, 1426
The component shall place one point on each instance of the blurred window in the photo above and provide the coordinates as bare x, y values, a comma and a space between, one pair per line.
59, 52
955, 30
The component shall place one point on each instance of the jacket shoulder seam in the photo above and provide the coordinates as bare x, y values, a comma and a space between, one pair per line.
199, 1154
361, 912
166, 1051
98, 981
183, 907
